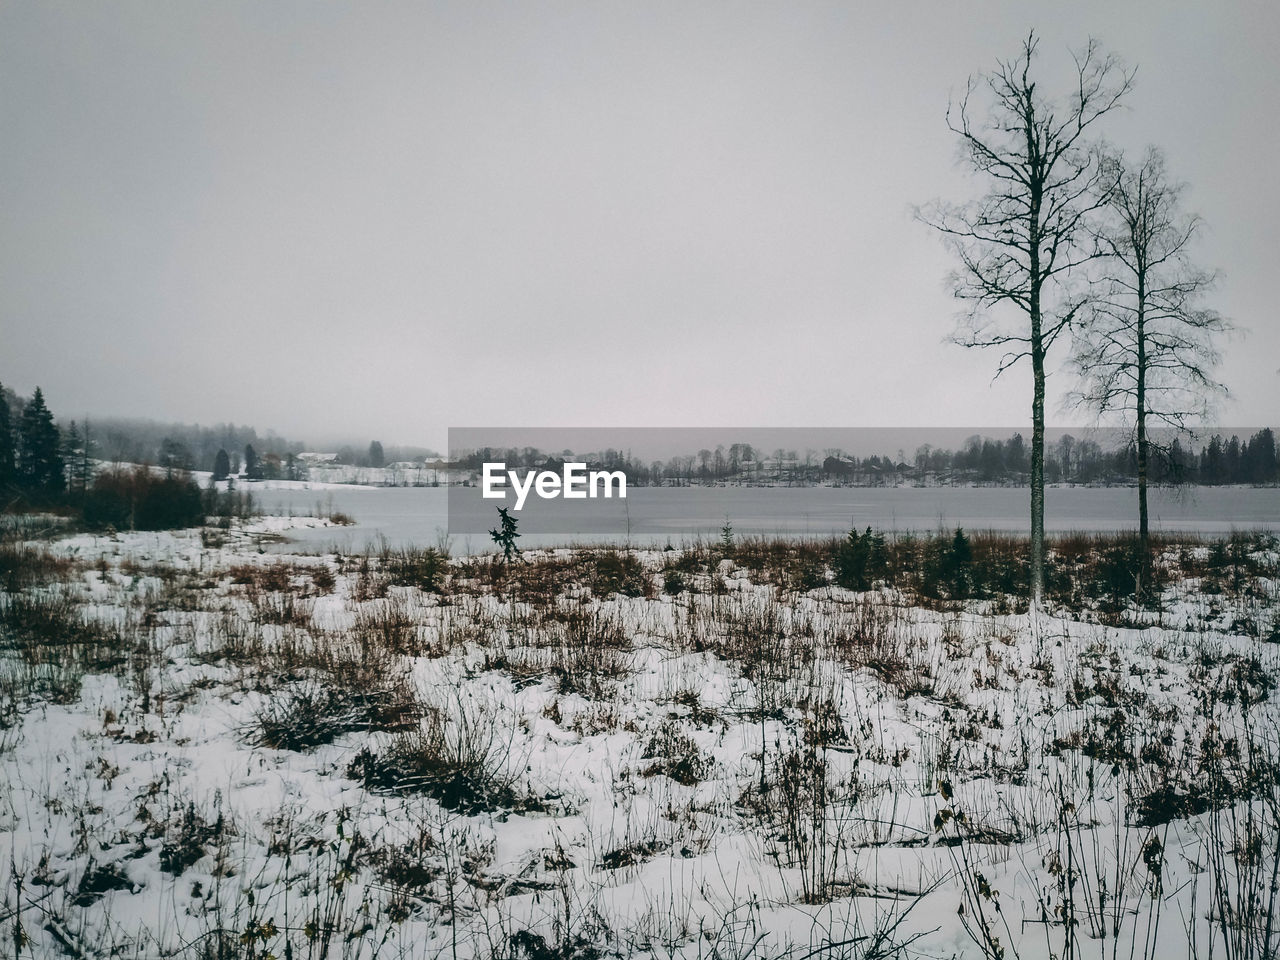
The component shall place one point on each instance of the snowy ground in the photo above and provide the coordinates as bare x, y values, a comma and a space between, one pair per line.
203, 477
212, 751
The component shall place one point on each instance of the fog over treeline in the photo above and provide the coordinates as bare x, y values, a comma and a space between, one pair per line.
195, 446
144, 441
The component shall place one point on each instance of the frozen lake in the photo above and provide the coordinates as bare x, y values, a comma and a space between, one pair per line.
419, 515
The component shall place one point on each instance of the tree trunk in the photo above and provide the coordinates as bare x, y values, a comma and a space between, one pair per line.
1037, 476
1036, 344
1144, 535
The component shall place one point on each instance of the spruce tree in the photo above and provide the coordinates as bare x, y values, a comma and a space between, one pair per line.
80, 469
1263, 465
71, 455
252, 465
506, 536
39, 454
175, 456
7, 476
221, 465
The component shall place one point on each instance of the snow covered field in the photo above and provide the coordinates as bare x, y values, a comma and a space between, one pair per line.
211, 751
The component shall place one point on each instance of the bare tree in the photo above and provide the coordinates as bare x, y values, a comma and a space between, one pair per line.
1148, 351
1021, 242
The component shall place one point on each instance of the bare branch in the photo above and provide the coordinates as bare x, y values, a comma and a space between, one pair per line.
1025, 245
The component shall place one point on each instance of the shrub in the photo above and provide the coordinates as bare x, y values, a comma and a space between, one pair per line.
323, 580
25, 564
141, 500
311, 716
620, 573
57, 643
415, 567
186, 841
675, 754
97, 881
228, 504
462, 760
860, 560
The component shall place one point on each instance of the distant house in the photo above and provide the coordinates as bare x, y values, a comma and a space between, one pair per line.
838, 468
320, 458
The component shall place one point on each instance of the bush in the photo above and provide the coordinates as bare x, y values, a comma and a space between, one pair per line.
313, 715
860, 560
620, 573
676, 755
946, 567
187, 839
141, 500
57, 643
26, 564
228, 504
416, 567
463, 760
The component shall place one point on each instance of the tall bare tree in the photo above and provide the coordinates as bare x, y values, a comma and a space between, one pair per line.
1148, 351
1021, 244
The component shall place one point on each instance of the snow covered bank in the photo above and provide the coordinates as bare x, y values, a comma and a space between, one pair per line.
209, 750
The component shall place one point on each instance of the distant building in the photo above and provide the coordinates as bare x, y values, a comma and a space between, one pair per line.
838, 468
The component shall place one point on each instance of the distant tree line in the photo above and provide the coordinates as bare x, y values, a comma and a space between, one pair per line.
1070, 460
43, 466
981, 460
42, 462
186, 446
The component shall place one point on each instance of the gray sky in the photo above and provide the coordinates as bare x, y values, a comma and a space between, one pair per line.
383, 219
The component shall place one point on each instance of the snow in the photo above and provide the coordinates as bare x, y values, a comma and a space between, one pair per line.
104, 785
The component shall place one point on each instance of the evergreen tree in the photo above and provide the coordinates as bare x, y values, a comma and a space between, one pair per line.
1212, 462
860, 560
957, 562
252, 465
84, 471
1178, 467
1016, 457
376, 456
1231, 460
40, 468
174, 456
7, 475
506, 536
75, 454
221, 465
1260, 456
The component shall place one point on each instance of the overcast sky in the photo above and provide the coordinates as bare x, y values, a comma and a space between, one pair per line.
384, 219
